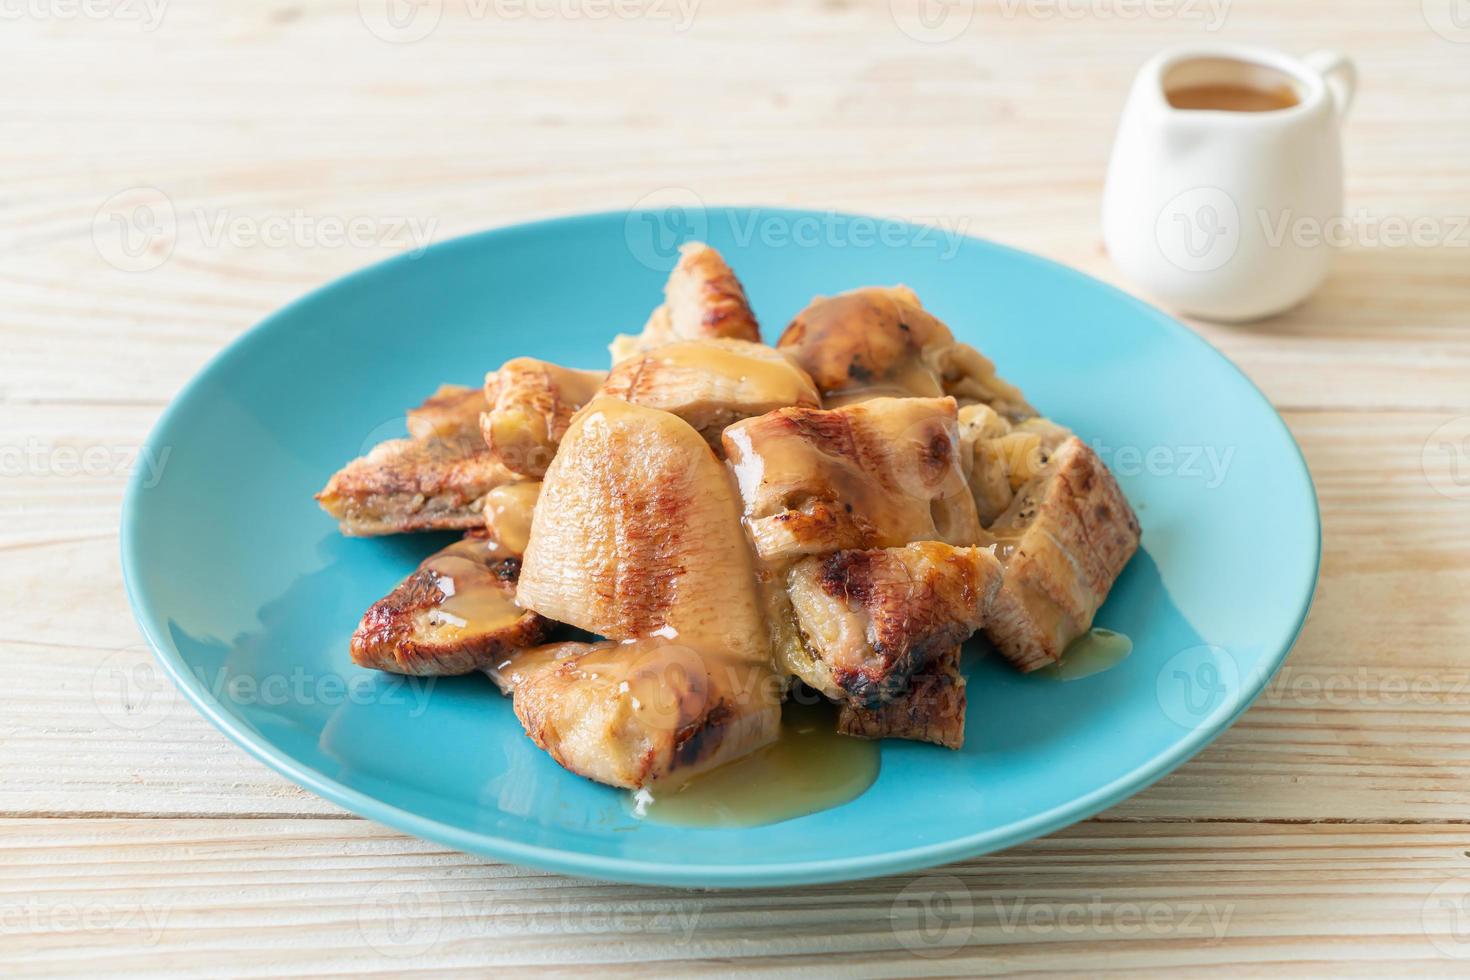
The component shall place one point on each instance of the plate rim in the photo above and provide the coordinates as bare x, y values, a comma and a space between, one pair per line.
682, 874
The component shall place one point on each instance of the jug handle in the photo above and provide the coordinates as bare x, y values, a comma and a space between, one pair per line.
1340, 74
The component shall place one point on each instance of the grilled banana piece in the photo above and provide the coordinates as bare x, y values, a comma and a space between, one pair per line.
434, 481
875, 474
1063, 540
930, 709
450, 413
639, 713
531, 404
872, 619
712, 383
508, 513
999, 457
455, 614
702, 299
879, 340
637, 534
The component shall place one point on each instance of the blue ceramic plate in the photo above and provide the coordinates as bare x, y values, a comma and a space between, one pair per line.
248, 593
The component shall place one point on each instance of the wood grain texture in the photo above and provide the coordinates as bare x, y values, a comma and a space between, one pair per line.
254, 897
1331, 823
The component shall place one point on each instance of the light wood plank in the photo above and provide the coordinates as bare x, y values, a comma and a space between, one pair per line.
264, 897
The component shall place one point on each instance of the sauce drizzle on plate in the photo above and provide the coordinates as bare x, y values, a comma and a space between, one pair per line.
808, 768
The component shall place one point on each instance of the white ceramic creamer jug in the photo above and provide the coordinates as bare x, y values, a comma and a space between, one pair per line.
1224, 178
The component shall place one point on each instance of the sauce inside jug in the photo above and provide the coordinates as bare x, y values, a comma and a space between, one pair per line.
1224, 97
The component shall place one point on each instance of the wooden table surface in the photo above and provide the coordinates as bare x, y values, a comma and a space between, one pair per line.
1326, 832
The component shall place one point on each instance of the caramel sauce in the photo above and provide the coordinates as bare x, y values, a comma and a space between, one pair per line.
1091, 653
775, 379
808, 768
666, 684
910, 377
475, 599
1232, 98
1005, 548
508, 513
670, 684
612, 409
519, 664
